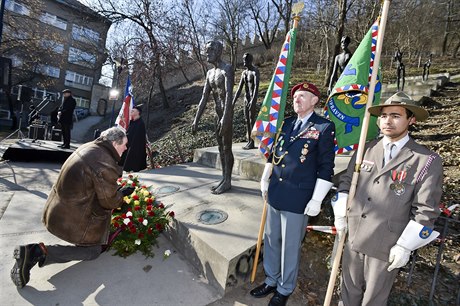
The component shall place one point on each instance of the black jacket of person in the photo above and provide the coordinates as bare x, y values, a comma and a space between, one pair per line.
134, 159
66, 109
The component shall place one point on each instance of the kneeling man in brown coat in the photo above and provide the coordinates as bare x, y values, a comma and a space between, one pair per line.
79, 206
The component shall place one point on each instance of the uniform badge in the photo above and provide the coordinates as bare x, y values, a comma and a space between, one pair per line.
367, 165
425, 232
397, 186
335, 197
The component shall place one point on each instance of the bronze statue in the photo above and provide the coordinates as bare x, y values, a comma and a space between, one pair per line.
250, 79
219, 81
401, 70
340, 62
426, 68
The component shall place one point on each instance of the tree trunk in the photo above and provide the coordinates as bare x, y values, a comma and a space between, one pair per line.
446, 28
148, 107
342, 5
164, 98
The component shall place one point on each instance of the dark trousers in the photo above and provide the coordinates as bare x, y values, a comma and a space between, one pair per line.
65, 253
66, 133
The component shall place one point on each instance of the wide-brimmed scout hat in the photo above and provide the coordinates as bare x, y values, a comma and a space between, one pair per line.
403, 100
306, 87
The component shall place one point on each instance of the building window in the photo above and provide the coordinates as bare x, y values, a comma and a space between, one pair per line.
82, 58
84, 34
17, 7
53, 46
82, 102
54, 20
77, 80
49, 70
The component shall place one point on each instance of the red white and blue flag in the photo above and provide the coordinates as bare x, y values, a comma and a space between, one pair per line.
271, 114
123, 117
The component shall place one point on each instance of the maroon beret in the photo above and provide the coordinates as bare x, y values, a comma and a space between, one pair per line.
306, 87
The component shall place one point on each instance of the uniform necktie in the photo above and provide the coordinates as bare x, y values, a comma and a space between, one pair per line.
390, 156
297, 126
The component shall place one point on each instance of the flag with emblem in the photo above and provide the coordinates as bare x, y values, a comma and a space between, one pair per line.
128, 104
271, 113
346, 105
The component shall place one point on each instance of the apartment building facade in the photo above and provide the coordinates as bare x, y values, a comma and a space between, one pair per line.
69, 47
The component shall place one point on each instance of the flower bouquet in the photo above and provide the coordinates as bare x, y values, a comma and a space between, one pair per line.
136, 225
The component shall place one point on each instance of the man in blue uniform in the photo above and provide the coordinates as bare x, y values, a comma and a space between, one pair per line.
295, 181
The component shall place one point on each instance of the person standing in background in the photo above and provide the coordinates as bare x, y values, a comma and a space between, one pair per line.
65, 116
134, 158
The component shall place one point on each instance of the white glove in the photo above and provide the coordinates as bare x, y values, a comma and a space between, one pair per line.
399, 257
414, 236
339, 205
265, 180
322, 187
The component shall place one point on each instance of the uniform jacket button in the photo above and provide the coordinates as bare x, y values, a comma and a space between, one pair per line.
363, 216
281, 179
283, 165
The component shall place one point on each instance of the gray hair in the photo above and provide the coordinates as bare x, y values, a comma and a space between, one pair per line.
114, 134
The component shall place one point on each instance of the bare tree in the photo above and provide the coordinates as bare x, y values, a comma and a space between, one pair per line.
229, 22
150, 17
195, 25
284, 8
32, 50
342, 14
267, 21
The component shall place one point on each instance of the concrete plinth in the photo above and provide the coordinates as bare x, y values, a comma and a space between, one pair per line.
223, 252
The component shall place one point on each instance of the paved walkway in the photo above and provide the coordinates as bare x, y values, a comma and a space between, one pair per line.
109, 280
82, 127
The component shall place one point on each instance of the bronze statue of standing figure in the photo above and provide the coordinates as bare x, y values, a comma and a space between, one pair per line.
401, 70
219, 81
340, 62
250, 80
426, 68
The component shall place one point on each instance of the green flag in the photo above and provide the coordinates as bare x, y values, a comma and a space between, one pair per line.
347, 102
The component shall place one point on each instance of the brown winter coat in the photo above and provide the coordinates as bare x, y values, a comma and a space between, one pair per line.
78, 209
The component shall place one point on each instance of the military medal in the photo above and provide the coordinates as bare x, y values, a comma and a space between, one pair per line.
281, 144
303, 153
397, 186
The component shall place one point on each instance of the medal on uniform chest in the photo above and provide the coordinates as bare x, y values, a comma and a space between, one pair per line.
304, 153
398, 177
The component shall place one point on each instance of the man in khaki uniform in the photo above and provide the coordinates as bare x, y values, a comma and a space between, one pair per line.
394, 208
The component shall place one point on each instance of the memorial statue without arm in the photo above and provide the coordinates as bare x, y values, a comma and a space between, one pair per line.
250, 80
426, 68
219, 82
401, 70
340, 62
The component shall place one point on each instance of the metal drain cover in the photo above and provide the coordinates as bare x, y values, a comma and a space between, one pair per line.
167, 189
212, 216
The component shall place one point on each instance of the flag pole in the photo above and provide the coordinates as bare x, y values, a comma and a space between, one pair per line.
360, 151
296, 9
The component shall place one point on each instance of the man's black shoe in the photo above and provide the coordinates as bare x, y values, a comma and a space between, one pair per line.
65, 147
262, 290
26, 257
278, 299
